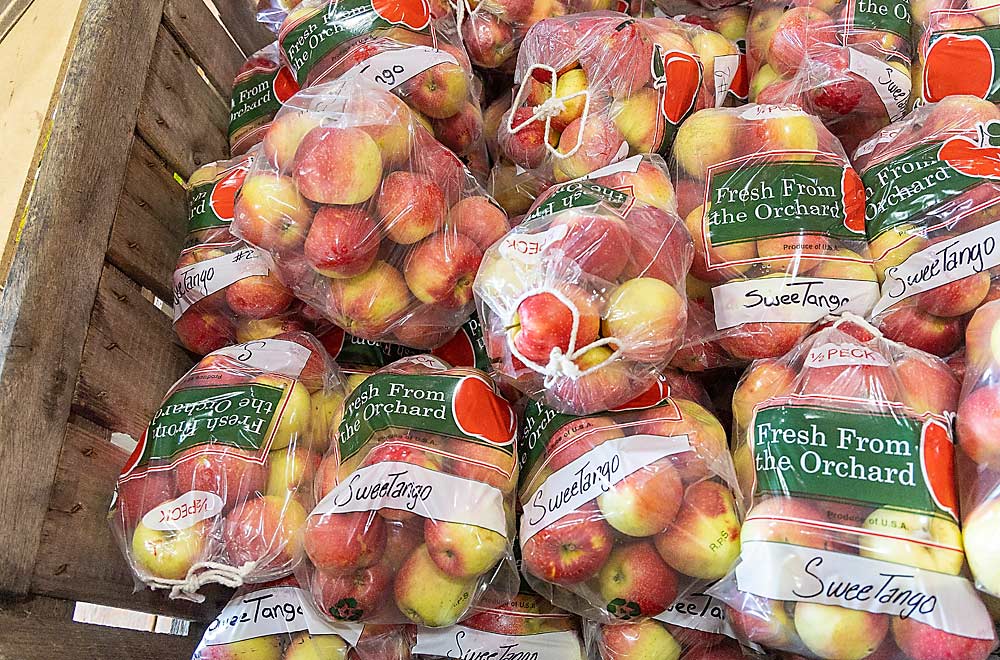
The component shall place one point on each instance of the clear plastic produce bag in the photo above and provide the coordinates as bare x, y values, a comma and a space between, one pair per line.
262, 84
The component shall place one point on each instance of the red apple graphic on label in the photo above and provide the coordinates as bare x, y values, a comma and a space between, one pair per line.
937, 458
481, 413
333, 341
134, 457
965, 156
854, 201
457, 351
740, 85
415, 14
958, 64
652, 396
683, 70
285, 85
223, 197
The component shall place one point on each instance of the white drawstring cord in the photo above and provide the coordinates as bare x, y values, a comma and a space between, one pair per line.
200, 574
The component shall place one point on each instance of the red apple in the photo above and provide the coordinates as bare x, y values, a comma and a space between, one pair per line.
441, 269
267, 531
228, 472
411, 206
571, 550
339, 542
337, 165
258, 296
544, 322
342, 242
354, 595
636, 582
920, 641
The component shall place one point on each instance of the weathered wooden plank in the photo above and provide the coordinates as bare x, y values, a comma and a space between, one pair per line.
150, 222
242, 24
130, 358
50, 287
206, 41
41, 629
79, 558
181, 116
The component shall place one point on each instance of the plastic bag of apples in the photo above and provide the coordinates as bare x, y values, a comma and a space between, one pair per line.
261, 85
526, 627
584, 301
628, 512
366, 216
225, 291
219, 486
415, 513
409, 47
777, 214
277, 621
979, 444
933, 218
851, 546
593, 88
846, 62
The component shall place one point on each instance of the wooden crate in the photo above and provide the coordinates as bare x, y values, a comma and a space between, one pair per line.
140, 100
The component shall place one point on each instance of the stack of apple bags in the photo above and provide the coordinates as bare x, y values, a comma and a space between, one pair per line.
370, 490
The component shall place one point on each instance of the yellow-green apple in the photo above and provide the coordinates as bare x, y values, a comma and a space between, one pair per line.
342, 242
792, 131
524, 143
285, 134
894, 246
762, 620
545, 321
267, 531
480, 219
252, 329
324, 419
646, 315
786, 520
388, 121
258, 296
463, 551
648, 640
639, 122
635, 577
462, 131
763, 78
648, 184
571, 550
230, 473
763, 380
438, 92
441, 269
337, 165
982, 543
169, 554
928, 386
709, 45
837, 632
956, 298
731, 22
303, 646
709, 447
427, 595
982, 336
645, 502
266, 647
594, 241
293, 421
489, 39
353, 594
202, 330
847, 265
978, 425
708, 258
569, 83
746, 473
599, 143
920, 641
914, 539
368, 303
936, 335
344, 541
707, 137
759, 30
795, 31
704, 539
289, 469
271, 214
611, 383
411, 206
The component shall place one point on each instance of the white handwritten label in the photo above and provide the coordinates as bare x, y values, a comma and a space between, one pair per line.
529, 248
392, 68
844, 355
789, 300
185, 511
698, 611
726, 67
272, 355
788, 572
628, 165
200, 280
886, 135
472, 644
941, 263
758, 111
891, 84
591, 475
428, 493
274, 611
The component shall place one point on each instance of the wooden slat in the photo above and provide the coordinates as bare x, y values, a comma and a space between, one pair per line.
79, 558
149, 226
130, 358
181, 116
205, 40
242, 24
50, 288
41, 630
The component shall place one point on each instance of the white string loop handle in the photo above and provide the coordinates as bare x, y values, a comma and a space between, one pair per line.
200, 574
549, 108
850, 317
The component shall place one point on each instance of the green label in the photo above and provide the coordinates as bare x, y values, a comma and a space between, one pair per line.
253, 98
753, 201
448, 405
340, 21
233, 415
884, 16
580, 194
466, 349
864, 457
201, 213
538, 426
910, 186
